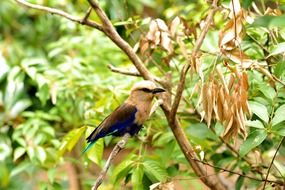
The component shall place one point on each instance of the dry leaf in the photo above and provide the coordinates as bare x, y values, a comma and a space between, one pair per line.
235, 8
210, 104
174, 25
158, 35
161, 25
166, 42
144, 45
239, 57
231, 35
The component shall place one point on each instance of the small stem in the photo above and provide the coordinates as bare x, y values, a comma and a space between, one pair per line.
274, 156
124, 72
59, 12
85, 18
237, 173
119, 146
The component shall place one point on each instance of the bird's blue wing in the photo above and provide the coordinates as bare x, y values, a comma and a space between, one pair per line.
118, 122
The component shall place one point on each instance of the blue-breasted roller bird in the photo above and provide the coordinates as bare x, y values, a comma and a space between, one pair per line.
130, 116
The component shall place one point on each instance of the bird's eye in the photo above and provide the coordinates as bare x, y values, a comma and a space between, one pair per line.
146, 90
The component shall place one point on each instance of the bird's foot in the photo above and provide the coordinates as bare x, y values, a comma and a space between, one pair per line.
122, 143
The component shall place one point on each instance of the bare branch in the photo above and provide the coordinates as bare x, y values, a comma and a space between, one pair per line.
119, 146
186, 67
111, 32
274, 156
124, 72
239, 174
277, 79
59, 12
133, 73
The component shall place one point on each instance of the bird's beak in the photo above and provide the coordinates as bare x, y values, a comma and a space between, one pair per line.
158, 90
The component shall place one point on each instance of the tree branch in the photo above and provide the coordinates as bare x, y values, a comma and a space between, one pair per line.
119, 146
124, 72
267, 174
213, 182
186, 67
133, 73
111, 32
84, 21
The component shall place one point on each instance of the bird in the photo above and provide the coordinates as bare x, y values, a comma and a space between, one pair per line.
129, 116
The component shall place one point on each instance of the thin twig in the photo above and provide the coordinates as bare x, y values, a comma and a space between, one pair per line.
198, 44
237, 173
274, 156
61, 13
119, 146
277, 79
235, 24
132, 73
85, 18
124, 72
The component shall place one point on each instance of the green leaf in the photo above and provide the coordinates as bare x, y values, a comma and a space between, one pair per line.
219, 128
260, 110
201, 131
270, 21
255, 123
279, 48
246, 3
154, 171
96, 151
279, 69
43, 94
41, 154
4, 177
18, 107
280, 167
281, 132
278, 129
239, 183
253, 140
21, 141
268, 91
121, 170
19, 151
31, 153
137, 177
279, 115
21, 168
71, 139
52, 175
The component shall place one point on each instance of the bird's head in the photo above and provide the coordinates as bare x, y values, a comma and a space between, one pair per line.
145, 90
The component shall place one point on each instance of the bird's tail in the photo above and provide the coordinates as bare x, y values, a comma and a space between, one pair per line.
88, 147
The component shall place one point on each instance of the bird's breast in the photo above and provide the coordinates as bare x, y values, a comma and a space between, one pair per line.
142, 114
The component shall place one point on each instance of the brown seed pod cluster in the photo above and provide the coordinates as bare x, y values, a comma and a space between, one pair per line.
226, 101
